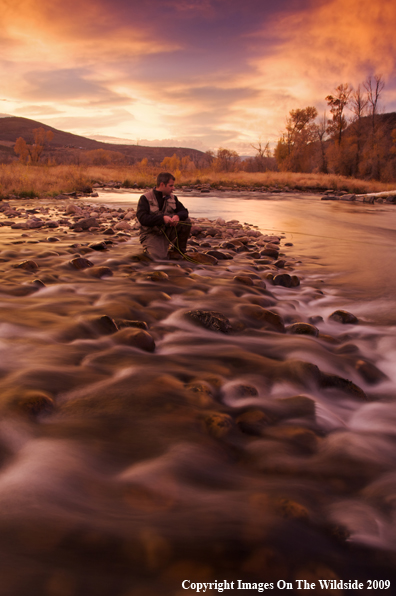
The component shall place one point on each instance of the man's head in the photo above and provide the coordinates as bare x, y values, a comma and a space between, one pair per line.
165, 183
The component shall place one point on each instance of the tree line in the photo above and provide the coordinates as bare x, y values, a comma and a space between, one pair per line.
355, 140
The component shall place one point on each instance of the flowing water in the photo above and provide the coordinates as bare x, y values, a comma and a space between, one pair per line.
252, 456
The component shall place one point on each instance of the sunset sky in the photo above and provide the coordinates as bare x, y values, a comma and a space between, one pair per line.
197, 73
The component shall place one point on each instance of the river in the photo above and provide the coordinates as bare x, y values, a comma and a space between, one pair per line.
177, 454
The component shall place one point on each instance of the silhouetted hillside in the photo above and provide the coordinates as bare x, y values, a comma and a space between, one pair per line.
66, 145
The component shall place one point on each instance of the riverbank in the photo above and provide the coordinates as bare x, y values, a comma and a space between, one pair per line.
181, 420
21, 181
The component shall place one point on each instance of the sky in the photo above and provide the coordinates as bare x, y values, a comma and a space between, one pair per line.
193, 73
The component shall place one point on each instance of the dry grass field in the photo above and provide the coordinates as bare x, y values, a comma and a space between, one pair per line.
29, 181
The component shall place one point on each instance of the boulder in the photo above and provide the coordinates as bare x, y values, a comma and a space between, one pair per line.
303, 329
80, 263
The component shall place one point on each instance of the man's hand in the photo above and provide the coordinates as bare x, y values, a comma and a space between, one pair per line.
171, 221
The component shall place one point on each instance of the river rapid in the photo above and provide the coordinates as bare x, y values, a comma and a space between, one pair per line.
141, 450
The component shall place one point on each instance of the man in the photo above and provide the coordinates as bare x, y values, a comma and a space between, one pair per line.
160, 214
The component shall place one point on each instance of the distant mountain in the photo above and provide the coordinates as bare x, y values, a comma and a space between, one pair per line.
13, 127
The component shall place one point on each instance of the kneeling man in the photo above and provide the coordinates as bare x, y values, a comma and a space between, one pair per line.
160, 214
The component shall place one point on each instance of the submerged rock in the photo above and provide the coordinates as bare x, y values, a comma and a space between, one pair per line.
303, 329
344, 317
212, 320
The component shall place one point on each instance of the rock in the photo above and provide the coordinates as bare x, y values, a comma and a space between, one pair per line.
315, 320
135, 338
252, 422
286, 280
264, 317
109, 232
270, 252
52, 239
98, 246
201, 258
280, 264
212, 320
289, 509
336, 382
52, 224
85, 223
298, 406
100, 272
80, 263
219, 425
344, 317
370, 373
303, 329
104, 325
32, 402
244, 279
123, 323
158, 276
217, 254
27, 266
123, 225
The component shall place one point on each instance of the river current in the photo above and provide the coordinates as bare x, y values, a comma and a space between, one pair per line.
259, 456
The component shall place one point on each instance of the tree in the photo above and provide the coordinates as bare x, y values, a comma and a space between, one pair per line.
337, 103
321, 132
20, 148
293, 151
32, 153
374, 86
227, 160
358, 106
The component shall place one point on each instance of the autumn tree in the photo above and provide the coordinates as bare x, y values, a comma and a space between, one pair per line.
20, 148
227, 160
337, 104
293, 151
32, 153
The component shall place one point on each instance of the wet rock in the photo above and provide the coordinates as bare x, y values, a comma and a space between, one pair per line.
122, 323
219, 425
301, 437
135, 338
253, 422
289, 509
100, 272
245, 391
212, 320
52, 239
109, 232
201, 258
315, 320
270, 252
244, 279
345, 385
123, 225
370, 373
85, 223
27, 266
217, 254
266, 318
80, 263
298, 406
303, 329
286, 280
32, 402
344, 317
104, 325
280, 264
98, 246
158, 276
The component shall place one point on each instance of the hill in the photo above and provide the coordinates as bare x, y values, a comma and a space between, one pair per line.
66, 147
